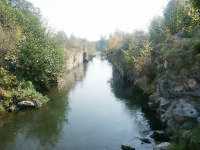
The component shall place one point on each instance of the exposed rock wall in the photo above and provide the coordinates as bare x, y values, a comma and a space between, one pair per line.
175, 98
73, 58
176, 101
72, 76
74, 69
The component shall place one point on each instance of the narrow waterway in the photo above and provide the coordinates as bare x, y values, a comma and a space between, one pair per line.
93, 113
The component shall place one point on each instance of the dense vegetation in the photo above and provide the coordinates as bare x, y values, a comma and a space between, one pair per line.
28, 54
167, 44
31, 55
167, 56
30, 50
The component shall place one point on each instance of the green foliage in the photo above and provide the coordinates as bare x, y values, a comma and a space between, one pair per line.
2, 109
40, 61
170, 50
31, 56
186, 139
133, 53
40, 57
177, 16
28, 53
13, 91
29, 50
26, 91
7, 81
196, 4
172, 43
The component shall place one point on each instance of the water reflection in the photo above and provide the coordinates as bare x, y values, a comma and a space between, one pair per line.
134, 98
71, 77
39, 129
88, 113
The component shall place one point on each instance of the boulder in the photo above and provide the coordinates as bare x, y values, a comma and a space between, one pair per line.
192, 83
127, 147
162, 146
26, 104
184, 110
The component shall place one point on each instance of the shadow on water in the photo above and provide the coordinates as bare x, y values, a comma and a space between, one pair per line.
133, 97
39, 129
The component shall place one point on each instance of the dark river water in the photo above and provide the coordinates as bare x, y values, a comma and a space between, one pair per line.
95, 111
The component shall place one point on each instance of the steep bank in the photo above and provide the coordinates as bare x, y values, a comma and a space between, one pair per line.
165, 64
76, 73
75, 57
175, 98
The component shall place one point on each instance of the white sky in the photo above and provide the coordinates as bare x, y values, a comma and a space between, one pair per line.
93, 18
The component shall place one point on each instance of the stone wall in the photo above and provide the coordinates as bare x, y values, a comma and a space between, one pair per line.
75, 64
69, 78
73, 58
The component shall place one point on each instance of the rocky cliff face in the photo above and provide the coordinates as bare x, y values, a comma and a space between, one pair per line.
175, 98
73, 58
74, 69
69, 78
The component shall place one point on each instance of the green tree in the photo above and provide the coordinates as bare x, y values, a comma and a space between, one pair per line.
177, 17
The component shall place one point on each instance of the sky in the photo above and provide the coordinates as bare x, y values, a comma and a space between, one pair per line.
92, 19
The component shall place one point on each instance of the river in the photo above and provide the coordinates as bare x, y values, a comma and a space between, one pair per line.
93, 112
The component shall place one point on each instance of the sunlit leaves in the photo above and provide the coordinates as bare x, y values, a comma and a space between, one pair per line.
37, 55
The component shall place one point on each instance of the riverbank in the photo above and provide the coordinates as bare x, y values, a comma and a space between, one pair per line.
165, 63
18, 95
83, 115
174, 98
33, 58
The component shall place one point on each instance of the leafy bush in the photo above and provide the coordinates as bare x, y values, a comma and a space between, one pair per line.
187, 139
13, 91
30, 51
7, 81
